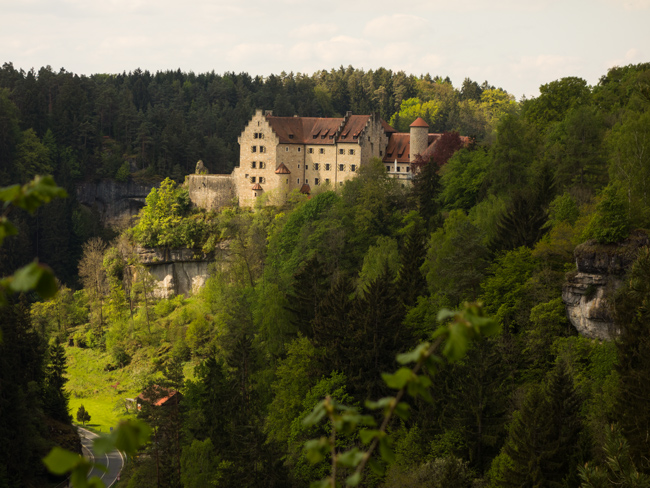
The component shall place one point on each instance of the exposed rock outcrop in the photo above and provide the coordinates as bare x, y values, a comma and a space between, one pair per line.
176, 271
588, 291
116, 202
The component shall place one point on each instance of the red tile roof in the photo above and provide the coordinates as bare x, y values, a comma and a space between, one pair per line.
257, 186
387, 128
419, 122
399, 147
305, 189
282, 170
305, 130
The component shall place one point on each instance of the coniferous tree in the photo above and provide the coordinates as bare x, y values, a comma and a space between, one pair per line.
632, 316
55, 401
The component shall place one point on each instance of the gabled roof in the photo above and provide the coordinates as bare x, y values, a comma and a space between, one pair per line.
387, 128
158, 395
305, 189
419, 122
353, 128
282, 170
257, 186
304, 130
399, 148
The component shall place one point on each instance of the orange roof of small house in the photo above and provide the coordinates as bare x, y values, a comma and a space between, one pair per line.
257, 186
419, 122
305, 189
282, 170
158, 395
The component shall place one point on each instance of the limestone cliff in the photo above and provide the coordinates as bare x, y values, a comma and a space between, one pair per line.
588, 291
176, 271
116, 202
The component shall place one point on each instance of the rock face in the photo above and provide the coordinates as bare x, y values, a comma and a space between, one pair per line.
116, 202
176, 271
588, 291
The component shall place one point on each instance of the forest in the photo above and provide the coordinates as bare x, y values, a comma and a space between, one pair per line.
283, 361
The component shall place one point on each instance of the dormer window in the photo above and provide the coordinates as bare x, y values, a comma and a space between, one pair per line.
290, 136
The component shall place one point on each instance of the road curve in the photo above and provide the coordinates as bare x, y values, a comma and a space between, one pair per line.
114, 461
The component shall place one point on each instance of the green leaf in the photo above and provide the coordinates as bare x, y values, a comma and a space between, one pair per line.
131, 435
398, 380
367, 435
350, 459
381, 403
316, 449
386, 451
456, 345
415, 355
444, 314
353, 479
9, 193
316, 415
6, 229
402, 410
103, 444
34, 276
61, 461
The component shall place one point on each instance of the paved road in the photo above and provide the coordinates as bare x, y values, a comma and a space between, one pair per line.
114, 461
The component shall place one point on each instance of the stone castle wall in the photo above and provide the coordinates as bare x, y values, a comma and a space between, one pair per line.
211, 192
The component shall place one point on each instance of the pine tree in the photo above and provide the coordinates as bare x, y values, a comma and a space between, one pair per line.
55, 401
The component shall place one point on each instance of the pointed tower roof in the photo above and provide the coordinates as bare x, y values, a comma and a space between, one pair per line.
257, 186
419, 122
282, 170
305, 189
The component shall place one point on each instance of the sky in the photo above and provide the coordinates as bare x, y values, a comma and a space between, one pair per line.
517, 45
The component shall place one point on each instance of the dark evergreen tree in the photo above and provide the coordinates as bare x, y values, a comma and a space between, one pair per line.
55, 398
632, 316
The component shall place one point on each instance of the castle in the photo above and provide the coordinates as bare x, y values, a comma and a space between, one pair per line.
281, 154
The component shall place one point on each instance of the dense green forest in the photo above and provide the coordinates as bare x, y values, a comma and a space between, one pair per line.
316, 298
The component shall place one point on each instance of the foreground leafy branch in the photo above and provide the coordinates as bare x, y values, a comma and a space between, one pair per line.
458, 330
127, 437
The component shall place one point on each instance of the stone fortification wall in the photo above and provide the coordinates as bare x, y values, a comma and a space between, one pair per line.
211, 192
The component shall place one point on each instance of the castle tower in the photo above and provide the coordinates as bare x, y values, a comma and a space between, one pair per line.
419, 138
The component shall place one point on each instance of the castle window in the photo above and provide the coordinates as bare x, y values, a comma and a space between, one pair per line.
327, 180
252, 179
286, 149
246, 176
306, 181
341, 151
298, 181
254, 149
287, 181
262, 179
290, 136
399, 168
351, 151
353, 167
316, 182
321, 150
298, 166
253, 163
262, 165
408, 169
381, 152
255, 135
388, 168
327, 166
262, 149
261, 136
316, 166
299, 149
306, 166
341, 167
310, 150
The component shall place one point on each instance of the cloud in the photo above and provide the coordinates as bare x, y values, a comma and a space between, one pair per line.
631, 4
314, 30
631, 56
394, 24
